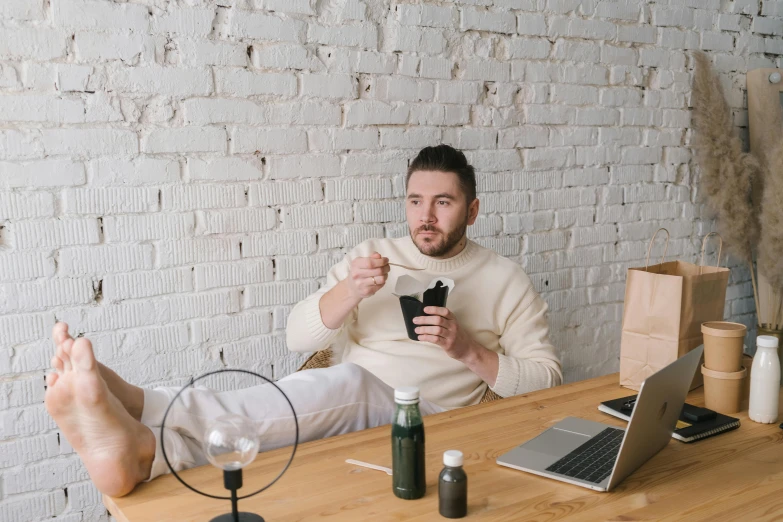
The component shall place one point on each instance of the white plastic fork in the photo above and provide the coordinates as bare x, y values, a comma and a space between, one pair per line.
386, 470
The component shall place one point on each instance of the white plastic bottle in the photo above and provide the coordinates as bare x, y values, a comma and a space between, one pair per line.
765, 381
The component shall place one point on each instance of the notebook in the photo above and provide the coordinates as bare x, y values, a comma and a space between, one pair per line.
686, 430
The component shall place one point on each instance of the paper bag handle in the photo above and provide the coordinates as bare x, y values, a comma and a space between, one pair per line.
704, 246
649, 248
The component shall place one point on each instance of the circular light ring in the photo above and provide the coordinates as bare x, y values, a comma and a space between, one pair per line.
190, 384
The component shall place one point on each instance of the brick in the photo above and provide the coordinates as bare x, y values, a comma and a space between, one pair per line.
314, 165
55, 233
201, 250
194, 53
580, 28
137, 285
235, 273
379, 212
290, 6
375, 113
189, 21
467, 139
358, 189
275, 193
155, 79
40, 505
432, 114
102, 259
201, 111
31, 108
412, 39
378, 163
138, 171
347, 236
486, 70
126, 229
546, 241
232, 328
19, 266
33, 43
40, 295
314, 215
550, 158
276, 243
409, 138
196, 197
113, 316
350, 61
342, 139
284, 56
299, 267
623, 10
281, 141
27, 450
236, 221
576, 51
308, 112
638, 34
523, 137
574, 94
486, 226
361, 35
402, 89
242, 82
186, 139
110, 200
22, 328
332, 86
22, 9
531, 24
266, 27
101, 16
434, 67
525, 48
565, 198
47, 173
427, 15
634, 194
281, 293
21, 392
224, 169
90, 142
485, 20
92, 47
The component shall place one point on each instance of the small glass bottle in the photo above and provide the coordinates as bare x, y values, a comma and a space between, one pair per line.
408, 474
453, 486
765, 381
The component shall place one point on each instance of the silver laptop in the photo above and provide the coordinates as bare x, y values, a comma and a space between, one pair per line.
599, 456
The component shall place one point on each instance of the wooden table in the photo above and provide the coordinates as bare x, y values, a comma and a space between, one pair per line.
735, 476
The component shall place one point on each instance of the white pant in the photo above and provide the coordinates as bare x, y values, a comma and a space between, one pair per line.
328, 402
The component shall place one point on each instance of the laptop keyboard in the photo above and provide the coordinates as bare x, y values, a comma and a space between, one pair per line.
594, 460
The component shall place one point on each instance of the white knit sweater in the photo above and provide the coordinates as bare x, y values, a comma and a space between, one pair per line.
493, 299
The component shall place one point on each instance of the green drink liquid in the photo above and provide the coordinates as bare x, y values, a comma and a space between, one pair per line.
409, 479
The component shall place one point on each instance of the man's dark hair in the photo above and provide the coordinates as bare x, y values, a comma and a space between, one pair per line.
443, 158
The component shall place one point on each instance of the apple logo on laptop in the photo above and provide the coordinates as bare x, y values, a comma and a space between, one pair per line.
662, 411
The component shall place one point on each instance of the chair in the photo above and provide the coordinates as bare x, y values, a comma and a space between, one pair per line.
323, 359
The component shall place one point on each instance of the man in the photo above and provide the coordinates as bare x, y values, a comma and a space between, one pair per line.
493, 334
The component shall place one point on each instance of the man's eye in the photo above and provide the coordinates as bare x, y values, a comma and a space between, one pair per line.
443, 202
414, 202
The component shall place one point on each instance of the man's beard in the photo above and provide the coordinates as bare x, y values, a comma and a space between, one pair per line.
439, 245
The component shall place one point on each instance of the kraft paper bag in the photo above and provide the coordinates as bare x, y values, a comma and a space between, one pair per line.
665, 305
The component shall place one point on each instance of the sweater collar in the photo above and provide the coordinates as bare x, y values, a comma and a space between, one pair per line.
442, 265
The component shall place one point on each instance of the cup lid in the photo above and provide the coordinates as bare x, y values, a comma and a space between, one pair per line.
727, 376
724, 329
767, 341
406, 393
453, 458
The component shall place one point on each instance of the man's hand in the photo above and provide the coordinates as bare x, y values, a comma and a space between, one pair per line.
442, 328
367, 276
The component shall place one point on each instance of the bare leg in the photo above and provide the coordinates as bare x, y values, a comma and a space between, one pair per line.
131, 397
116, 449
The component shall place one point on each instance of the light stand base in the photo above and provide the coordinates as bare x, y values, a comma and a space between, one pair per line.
243, 517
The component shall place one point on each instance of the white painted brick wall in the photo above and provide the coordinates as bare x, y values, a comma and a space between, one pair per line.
174, 176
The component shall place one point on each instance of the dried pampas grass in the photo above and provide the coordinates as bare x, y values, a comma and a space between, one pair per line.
727, 173
770, 249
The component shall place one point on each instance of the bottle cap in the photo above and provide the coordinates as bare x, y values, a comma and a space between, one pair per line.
452, 458
767, 341
406, 394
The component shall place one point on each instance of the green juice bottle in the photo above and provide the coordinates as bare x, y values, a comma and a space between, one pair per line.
408, 475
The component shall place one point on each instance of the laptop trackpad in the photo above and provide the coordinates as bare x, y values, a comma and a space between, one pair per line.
556, 443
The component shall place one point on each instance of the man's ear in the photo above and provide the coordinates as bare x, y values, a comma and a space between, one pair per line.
473, 210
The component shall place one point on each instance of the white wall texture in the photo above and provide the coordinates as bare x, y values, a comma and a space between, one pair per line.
176, 174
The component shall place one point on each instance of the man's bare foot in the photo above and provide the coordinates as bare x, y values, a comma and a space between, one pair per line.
131, 397
116, 449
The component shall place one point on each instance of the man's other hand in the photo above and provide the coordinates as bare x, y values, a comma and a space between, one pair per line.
368, 275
